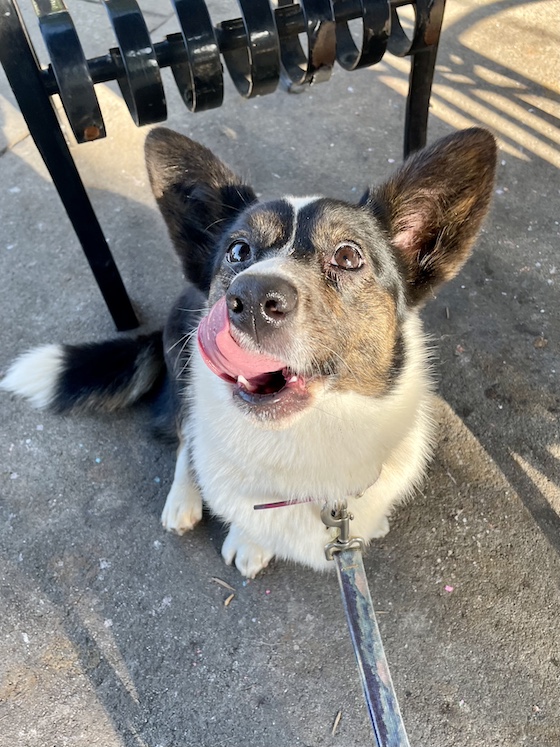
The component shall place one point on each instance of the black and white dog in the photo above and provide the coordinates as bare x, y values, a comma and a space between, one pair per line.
293, 367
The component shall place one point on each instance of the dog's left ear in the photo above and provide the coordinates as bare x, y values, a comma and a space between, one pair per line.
434, 205
198, 196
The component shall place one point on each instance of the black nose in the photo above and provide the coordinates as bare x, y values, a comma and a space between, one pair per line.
258, 304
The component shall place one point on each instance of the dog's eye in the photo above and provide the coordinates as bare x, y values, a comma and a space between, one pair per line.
347, 256
239, 251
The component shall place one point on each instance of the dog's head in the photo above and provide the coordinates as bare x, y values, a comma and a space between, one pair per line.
311, 295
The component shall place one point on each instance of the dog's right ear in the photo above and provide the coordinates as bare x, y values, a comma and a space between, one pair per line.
198, 197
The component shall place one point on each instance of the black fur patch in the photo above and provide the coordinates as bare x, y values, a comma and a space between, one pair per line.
98, 376
170, 407
397, 364
206, 213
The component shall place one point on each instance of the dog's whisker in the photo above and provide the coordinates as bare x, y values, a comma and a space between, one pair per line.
217, 222
340, 358
186, 337
177, 342
185, 366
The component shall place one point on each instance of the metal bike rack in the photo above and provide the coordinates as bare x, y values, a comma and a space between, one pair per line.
260, 48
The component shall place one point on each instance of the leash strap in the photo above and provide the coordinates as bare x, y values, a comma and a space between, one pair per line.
379, 693
375, 677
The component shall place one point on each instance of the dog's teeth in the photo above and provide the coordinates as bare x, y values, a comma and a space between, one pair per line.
244, 383
292, 379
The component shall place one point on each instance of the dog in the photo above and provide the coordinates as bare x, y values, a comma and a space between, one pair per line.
293, 368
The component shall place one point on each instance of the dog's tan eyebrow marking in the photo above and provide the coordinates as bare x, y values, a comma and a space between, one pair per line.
335, 221
274, 224
270, 224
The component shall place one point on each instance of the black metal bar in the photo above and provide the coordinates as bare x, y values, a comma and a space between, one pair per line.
422, 47
255, 67
194, 57
422, 68
139, 75
376, 29
318, 18
23, 72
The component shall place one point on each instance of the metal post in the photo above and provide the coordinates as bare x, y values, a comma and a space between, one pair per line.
24, 75
422, 69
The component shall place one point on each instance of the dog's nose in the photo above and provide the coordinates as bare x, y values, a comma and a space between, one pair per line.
259, 304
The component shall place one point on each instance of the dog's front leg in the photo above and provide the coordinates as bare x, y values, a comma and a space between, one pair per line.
183, 507
249, 557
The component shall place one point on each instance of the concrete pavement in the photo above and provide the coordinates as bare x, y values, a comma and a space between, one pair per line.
113, 632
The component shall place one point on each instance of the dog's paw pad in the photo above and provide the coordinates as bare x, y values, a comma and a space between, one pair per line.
249, 557
181, 512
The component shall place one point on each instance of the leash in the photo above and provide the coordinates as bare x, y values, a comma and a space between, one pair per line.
379, 693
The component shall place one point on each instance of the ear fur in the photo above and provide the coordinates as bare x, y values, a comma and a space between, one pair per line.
197, 195
434, 205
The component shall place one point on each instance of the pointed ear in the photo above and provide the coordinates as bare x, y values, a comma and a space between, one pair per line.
434, 205
198, 197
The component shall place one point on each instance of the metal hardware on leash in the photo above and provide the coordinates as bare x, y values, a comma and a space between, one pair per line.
379, 693
340, 518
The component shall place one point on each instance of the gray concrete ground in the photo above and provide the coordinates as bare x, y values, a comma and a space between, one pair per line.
113, 632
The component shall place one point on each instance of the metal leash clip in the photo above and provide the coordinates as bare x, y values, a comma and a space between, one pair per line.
340, 518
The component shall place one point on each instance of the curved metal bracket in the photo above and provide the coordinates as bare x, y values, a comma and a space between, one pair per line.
138, 75
70, 69
376, 29
199, 76
254, 67
317, 17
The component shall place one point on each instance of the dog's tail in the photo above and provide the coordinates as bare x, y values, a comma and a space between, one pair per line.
97, 376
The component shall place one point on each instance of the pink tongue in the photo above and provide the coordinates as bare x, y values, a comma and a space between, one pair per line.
223, 355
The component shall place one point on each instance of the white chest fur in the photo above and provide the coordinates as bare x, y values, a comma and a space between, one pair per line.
338, 448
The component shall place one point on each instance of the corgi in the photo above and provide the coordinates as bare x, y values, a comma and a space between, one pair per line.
293, 368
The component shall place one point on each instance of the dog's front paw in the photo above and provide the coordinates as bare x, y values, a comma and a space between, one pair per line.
183, 508
249, 557
381, 529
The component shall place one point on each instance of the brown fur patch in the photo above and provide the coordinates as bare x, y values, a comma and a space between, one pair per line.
267, 227
370, 351
333, 225
351, 338
361, 342
349, 324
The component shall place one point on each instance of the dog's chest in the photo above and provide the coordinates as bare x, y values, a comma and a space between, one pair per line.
334, 450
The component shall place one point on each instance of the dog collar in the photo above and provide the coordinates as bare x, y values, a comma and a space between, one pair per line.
282, 504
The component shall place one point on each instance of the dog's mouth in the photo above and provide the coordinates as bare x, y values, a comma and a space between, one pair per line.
267, 385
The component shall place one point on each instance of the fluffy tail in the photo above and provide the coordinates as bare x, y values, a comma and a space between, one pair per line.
98, 376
